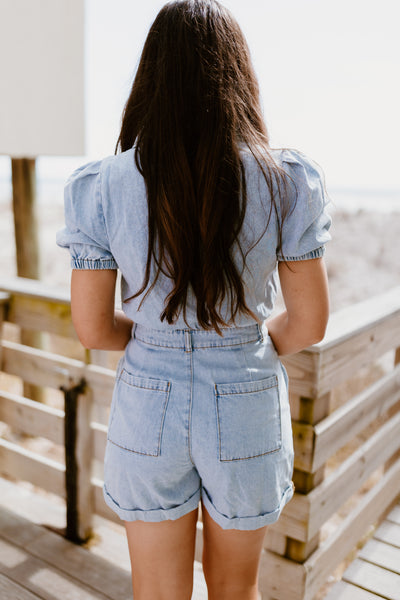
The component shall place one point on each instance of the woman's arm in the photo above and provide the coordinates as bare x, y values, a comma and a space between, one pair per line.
305, 292
97, 323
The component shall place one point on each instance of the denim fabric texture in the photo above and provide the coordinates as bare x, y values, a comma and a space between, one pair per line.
106, 228
193, 414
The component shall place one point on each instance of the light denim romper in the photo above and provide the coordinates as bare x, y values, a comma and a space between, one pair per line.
195, 415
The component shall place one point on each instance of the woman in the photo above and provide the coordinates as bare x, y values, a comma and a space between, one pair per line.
200, 215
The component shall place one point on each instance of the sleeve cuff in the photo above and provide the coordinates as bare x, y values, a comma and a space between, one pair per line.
93, 264
317, 253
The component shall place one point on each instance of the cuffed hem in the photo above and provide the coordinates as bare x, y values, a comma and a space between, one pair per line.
247, 523
95, 264
154, 515
317, 253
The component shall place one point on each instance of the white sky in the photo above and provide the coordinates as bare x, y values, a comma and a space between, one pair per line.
328, 71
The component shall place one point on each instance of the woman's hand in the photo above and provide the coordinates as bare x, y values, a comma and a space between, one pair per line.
98, 325
305, 292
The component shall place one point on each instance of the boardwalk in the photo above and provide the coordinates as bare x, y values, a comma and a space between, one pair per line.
375, 574
36, 562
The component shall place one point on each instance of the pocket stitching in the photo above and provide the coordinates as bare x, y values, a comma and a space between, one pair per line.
279, 441
219, 387
164, 389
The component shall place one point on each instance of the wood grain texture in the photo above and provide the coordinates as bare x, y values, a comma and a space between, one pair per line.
346, 591
374, 579
30, 466
381, 554
30, 417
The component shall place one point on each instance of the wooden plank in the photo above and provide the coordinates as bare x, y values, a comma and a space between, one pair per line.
347, 591
390, 533
21, 286
4, 298
83, 457
30, 417
381, 554
38, 508
39, 315
17, 529
337, 546
23, 171
11, 590
374, 579
303, 442
281, 578
302, 369
45, 581
346, 422
394, 515
338, 487
340, 362
30, 466
303, 517
294, 518
52, 370
67, 557
360, 317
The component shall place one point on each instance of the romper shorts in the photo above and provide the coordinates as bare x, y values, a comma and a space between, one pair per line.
198, 416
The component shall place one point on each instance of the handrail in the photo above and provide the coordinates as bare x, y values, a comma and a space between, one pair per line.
295, 561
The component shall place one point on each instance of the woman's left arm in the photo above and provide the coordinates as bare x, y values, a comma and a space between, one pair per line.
98, 325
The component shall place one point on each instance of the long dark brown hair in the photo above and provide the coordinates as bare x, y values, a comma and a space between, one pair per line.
194, 101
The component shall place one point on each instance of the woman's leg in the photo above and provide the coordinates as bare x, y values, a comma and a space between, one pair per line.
162, 556
231, 560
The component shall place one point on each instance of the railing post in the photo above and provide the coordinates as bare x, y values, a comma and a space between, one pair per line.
396, 455
4, 298
308, 412
78, 462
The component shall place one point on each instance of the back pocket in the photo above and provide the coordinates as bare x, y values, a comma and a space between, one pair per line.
138, 412
248, 418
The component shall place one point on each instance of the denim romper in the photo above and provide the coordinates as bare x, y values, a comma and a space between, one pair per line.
195, 415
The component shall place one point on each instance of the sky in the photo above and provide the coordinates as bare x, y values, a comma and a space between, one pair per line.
328, 73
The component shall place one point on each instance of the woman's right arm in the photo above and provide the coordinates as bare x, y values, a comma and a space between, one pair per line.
304, 285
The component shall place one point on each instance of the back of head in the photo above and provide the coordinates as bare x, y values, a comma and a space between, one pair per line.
194, 100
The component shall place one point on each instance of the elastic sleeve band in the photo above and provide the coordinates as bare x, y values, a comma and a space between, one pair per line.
317, 253
93, 264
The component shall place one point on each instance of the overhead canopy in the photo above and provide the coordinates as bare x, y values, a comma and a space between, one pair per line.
41, 77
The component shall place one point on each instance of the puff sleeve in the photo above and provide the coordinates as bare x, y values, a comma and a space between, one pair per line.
305, 229
85, 233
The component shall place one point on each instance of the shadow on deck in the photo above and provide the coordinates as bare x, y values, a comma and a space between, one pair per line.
36, 562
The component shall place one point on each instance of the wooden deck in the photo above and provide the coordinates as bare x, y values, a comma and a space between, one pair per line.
375, 573
36, 562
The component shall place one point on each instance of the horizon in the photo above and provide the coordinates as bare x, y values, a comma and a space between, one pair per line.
337, 102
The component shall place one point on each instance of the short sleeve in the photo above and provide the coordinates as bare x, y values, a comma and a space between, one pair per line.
305, 229
85, 233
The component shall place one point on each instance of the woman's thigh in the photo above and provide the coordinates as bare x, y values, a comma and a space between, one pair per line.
162, 555
231, 560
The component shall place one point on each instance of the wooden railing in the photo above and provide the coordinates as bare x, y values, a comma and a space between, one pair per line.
297, 558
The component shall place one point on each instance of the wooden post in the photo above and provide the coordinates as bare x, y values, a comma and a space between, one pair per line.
308, 411
78, 463
396, 456
24, 197
4, 298
26, 241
